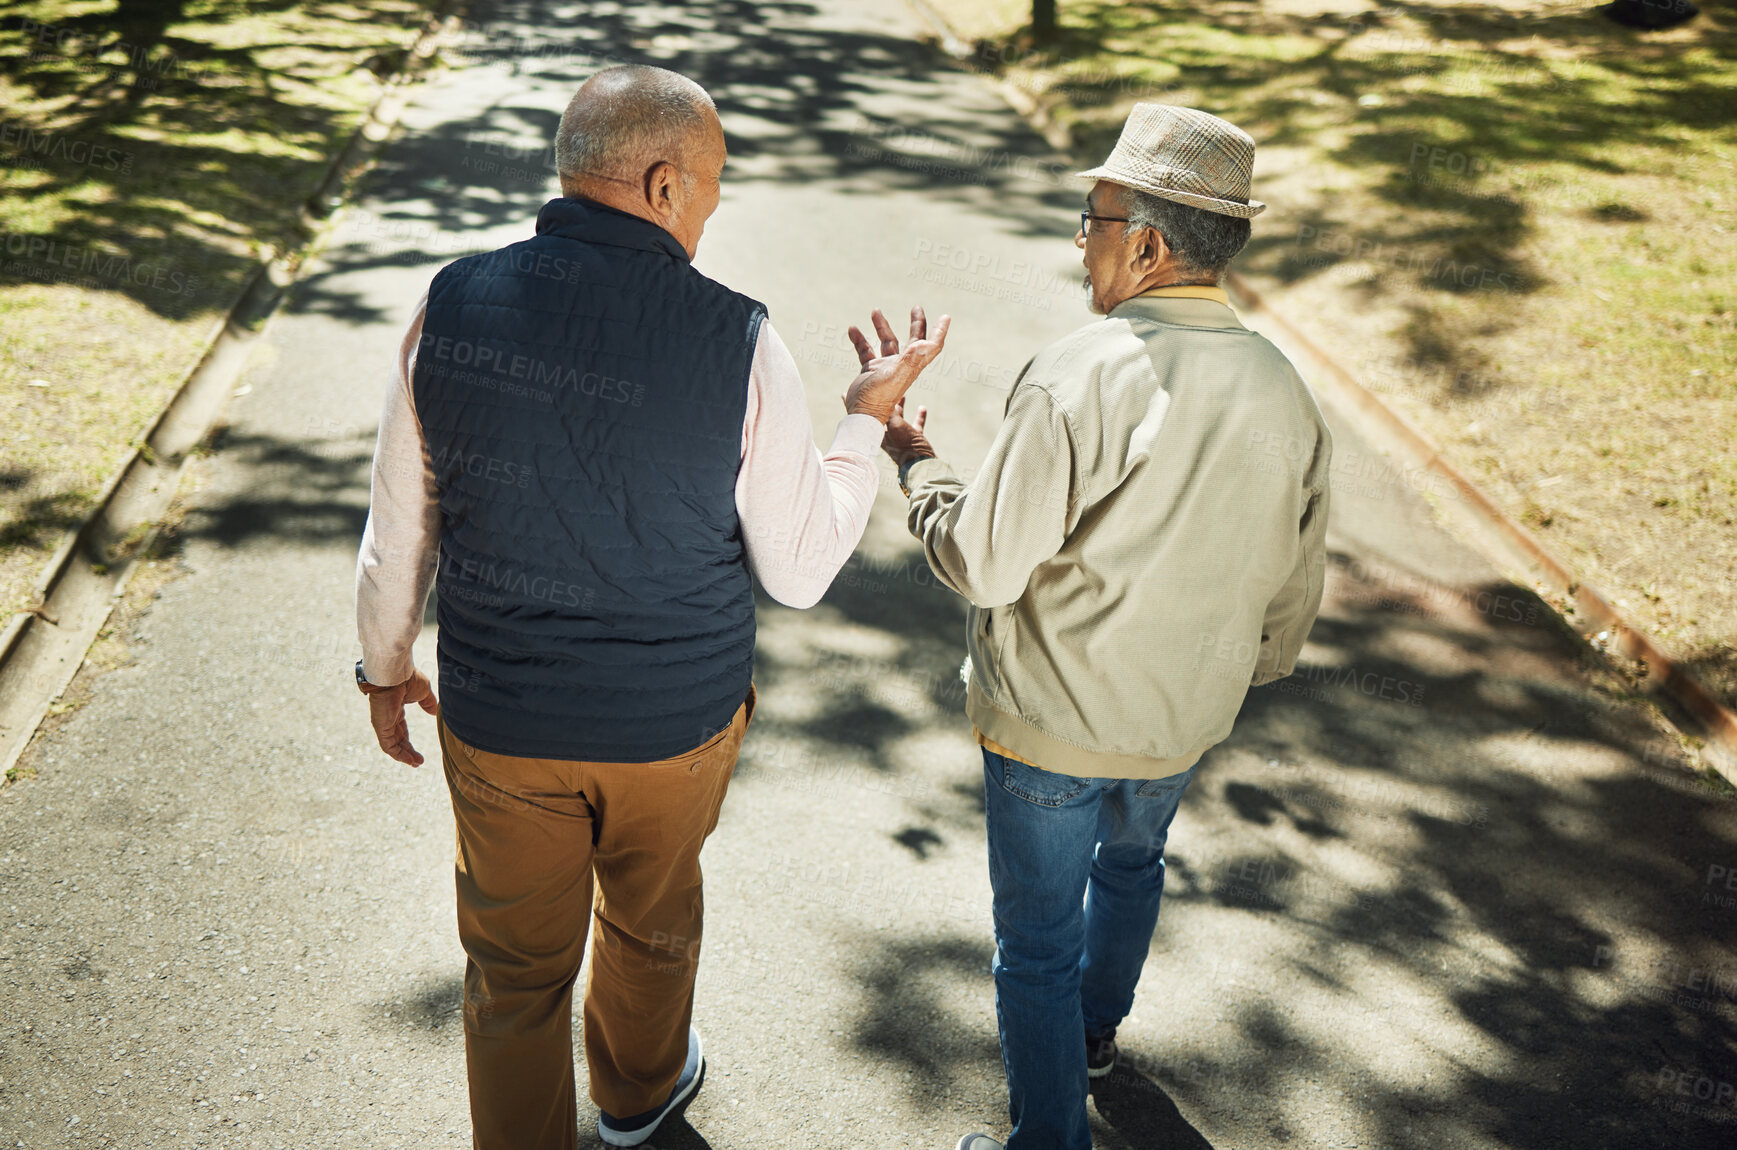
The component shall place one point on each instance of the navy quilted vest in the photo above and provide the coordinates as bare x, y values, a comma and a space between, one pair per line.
582, 394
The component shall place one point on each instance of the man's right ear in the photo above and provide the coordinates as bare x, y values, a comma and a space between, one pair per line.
662, 181
1150, 250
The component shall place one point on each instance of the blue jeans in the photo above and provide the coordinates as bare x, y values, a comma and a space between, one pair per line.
1077, 867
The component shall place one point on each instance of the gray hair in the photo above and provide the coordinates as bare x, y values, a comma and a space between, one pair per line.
625, 119
1203, 242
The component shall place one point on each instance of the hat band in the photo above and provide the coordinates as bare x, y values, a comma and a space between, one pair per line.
1180, 180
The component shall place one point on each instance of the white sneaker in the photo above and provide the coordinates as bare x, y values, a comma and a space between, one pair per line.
978, 1142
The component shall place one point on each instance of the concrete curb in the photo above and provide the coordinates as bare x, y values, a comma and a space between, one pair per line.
42, 649
1586, 610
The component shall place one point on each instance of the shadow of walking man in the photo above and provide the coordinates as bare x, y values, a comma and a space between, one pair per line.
1139, 1110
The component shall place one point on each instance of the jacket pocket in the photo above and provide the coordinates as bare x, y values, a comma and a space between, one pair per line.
1038, 786
985, 621
989, 635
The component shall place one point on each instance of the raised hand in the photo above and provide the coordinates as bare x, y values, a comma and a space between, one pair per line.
904, 439
886, 377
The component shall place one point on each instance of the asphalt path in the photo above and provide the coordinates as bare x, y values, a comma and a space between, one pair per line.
1447, 886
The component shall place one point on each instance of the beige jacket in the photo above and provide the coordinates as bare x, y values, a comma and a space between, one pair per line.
1146, 539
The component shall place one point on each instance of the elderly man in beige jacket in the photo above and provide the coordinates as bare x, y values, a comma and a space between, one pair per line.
1144, 542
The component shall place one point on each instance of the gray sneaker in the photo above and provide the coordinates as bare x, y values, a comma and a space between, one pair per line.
978, 1142
632, 1131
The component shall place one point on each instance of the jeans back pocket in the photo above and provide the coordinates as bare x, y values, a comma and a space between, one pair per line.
1036, 785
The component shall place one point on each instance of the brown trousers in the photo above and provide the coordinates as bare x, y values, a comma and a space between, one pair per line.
532, 833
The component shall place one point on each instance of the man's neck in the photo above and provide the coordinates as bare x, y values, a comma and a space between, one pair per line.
1165, 276
597, 192
1169, 275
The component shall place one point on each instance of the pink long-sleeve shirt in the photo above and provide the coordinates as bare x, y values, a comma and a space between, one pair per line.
802, 514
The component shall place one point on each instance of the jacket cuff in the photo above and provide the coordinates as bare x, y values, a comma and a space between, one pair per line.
928, 471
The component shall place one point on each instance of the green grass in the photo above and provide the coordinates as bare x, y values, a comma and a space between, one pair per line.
163, 147
1515, 223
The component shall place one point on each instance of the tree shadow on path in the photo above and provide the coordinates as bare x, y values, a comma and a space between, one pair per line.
1505, 882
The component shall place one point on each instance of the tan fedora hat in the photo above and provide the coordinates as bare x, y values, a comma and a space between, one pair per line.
1184, 155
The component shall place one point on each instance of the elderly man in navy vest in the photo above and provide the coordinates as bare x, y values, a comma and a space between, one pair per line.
588, 450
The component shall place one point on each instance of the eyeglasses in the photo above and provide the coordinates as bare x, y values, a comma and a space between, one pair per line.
1086, 218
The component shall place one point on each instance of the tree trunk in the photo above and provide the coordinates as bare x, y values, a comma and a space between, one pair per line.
1043, 26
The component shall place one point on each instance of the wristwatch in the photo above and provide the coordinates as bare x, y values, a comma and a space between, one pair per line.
362, 683
905, 476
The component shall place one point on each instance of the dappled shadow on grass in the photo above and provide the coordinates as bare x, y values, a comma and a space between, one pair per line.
41, 521
176, 154
1715, 665
1467, 165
